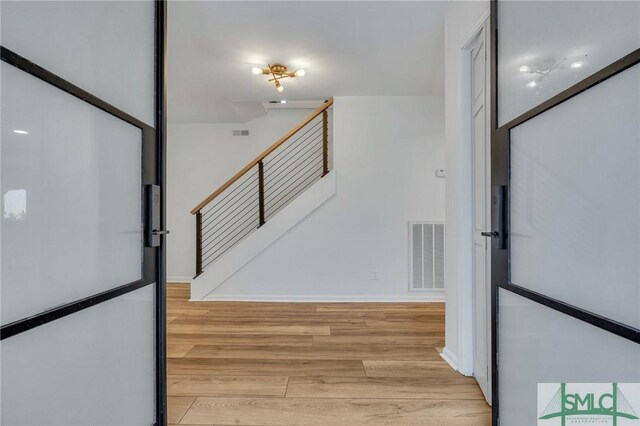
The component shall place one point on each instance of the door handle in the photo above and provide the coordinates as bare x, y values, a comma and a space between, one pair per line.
491, 234
152, 227
499, 215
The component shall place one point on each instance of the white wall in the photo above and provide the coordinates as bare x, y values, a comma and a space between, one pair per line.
200, 158
462, 19
386, 150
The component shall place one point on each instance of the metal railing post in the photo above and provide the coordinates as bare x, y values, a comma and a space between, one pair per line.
325, 143
261, 192
198, 243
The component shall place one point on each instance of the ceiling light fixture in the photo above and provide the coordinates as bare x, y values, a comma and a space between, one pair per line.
20, 132
544, 68
277, 72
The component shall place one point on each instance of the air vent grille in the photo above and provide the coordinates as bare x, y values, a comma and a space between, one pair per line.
240, 133
426, 246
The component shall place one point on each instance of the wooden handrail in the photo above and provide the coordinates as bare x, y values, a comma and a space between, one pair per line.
261, 157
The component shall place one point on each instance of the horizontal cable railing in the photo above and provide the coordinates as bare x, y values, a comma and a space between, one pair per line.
264, 186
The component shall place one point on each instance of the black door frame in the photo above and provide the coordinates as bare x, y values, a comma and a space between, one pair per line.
153, 172
500, 172
161, 167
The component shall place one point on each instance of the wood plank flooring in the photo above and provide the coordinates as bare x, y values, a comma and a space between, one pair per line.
312, 364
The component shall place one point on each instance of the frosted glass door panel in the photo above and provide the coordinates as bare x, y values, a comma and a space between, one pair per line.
540, 345
575, 200
104, 47
547, 46
71, 197
95, 367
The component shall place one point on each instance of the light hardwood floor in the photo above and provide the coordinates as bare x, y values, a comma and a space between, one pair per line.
319, 364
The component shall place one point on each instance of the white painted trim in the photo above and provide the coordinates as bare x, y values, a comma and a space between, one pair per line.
476, 28
450, 358
181, 280
466, 324
427, 298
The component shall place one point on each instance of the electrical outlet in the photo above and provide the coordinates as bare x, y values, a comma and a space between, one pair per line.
374, 275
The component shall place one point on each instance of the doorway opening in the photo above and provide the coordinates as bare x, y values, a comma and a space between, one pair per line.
311, 314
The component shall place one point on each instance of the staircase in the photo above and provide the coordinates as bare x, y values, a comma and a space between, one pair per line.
261, 202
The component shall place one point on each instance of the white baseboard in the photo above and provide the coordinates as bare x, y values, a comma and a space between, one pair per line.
326, 299
450, 358
181, 280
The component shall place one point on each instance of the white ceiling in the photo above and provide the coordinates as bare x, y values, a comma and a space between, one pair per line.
347, 48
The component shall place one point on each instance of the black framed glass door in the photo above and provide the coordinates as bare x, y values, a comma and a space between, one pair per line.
566, 205
82, 152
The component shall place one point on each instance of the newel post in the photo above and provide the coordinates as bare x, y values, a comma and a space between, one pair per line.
198, 243
325, 143
261, 191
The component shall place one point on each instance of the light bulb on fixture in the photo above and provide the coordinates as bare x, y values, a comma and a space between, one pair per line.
276, 73
577, 64
525, 68
532, 84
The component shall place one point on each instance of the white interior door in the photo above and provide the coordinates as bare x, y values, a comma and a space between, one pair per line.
481, 214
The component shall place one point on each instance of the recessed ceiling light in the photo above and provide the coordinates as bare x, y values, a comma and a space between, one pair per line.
577, 64
532, 84
20, 132
283, 101
525, 68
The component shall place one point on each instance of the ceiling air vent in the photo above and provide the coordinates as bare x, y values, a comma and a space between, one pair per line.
426, 255
240, 133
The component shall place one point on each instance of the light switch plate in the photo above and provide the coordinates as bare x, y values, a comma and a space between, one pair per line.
441, 173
